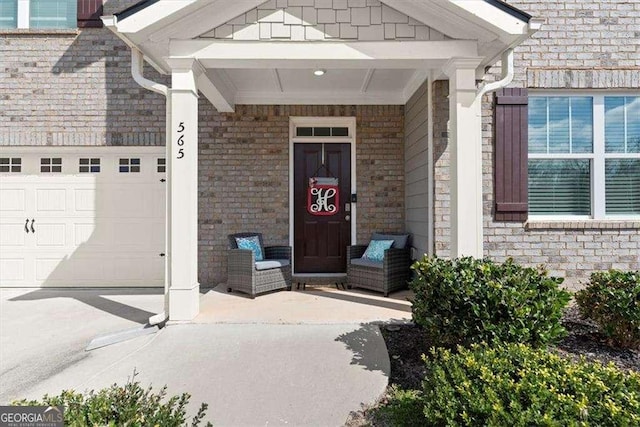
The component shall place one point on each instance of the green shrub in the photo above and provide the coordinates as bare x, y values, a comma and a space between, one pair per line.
515, 385
467, 300
612, 300
129, 405
400, 408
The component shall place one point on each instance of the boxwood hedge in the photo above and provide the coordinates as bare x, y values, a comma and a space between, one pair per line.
468, 300
612, 300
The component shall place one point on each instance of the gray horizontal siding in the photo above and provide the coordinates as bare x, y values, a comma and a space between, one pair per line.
416, 170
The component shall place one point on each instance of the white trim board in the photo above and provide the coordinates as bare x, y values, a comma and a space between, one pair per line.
295, 121
82, 149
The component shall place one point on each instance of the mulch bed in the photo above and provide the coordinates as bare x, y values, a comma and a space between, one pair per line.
406, 343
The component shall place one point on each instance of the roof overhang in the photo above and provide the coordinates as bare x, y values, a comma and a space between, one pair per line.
168, 30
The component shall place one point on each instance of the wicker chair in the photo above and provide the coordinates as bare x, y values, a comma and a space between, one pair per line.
251, 277
389, 275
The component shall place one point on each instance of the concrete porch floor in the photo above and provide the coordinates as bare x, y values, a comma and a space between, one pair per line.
299, 358
319, 305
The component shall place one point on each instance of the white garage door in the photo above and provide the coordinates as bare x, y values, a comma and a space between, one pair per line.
82, 217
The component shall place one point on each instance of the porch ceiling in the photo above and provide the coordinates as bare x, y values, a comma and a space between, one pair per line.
276, 71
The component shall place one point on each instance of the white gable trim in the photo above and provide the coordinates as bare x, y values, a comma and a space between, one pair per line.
391, 54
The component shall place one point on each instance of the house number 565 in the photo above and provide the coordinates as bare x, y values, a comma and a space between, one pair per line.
180, 140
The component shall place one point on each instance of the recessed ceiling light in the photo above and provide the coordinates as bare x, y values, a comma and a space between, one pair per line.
319, 72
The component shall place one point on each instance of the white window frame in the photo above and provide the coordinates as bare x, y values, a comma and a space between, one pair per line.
597, 157
24, 15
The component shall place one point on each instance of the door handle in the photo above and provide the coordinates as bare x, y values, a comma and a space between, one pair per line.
26, 226
33, 230
347, 218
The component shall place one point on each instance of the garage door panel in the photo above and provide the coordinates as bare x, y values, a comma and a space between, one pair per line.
157, 206
93, 233
132, 202
12, 234
13, 200
51, 200
51, 269
85, 199
93, 269
77, 270
139, 267
12, 270
140, 234
50, 234
157, 234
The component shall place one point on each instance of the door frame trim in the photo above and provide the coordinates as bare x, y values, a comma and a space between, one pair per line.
349, 122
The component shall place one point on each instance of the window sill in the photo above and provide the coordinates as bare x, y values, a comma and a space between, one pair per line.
39, 32
585, 224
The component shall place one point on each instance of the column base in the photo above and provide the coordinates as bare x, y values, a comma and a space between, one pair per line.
184, 304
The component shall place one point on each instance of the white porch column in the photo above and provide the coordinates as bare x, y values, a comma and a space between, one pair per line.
465, 145
182, 160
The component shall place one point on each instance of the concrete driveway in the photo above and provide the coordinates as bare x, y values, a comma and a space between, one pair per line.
251, 369
43, 332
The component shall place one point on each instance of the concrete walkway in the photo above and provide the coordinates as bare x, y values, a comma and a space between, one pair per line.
313, 306
286, 358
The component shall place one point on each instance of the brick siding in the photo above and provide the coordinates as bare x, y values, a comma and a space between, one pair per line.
581, 45
244, 174
71, 88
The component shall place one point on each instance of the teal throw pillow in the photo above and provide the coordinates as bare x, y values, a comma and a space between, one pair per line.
252, 243
376, 248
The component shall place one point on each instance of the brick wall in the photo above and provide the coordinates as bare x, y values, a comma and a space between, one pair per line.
582, 45
244, 174
74, 88
441, 156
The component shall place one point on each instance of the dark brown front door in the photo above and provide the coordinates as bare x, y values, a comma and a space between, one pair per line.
320, 241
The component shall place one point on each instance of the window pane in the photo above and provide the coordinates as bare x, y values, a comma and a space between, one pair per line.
537, 124
558, 125
559, 187
304, 131
322, 131
622, 189
633, 124
53, 13
622, 124
614, 124
582, 125
8, 13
